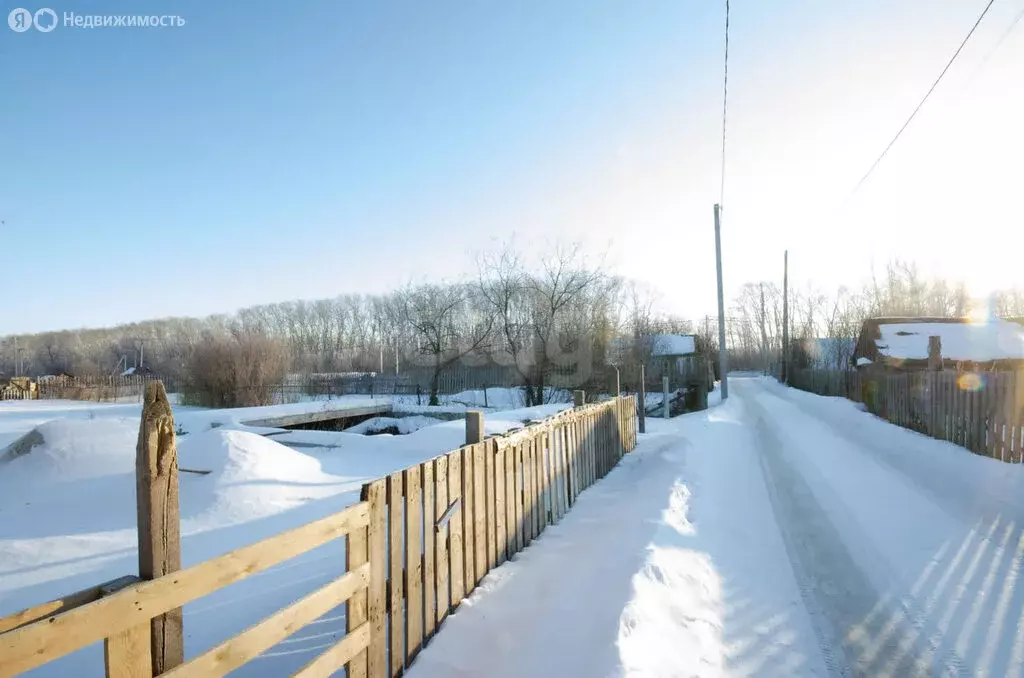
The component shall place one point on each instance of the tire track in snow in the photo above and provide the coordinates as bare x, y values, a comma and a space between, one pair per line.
861, 632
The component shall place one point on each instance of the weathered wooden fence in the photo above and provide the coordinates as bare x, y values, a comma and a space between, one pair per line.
96, 389
418, 542
982, 411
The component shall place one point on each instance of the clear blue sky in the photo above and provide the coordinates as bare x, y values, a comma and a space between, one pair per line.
271, 151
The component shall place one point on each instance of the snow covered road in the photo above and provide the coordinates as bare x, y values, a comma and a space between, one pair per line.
779, 534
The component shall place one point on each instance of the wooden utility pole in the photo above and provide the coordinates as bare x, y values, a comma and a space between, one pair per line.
764, 337
642, 400
723, 354
156, 493
785, 318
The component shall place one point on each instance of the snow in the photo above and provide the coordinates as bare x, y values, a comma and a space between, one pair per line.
673, 344
863, 361
67, 508
779, 534
978, 342
776, 534
404, 425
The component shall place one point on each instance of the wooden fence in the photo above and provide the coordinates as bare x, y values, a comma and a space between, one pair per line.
418, 542
96, 389
982, 411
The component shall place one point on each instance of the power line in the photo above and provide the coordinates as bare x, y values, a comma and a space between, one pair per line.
919, 105
725, 103
999, 43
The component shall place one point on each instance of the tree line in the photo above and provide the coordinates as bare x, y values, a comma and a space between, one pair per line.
559, 316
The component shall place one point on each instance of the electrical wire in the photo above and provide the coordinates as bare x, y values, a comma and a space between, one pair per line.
921, 103
725, 103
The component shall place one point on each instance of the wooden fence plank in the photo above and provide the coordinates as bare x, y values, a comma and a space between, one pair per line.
469, 519
489, 505
328, 663
127, 654
375, 495
458, 573
413, 563
544, 443
356, 556
396, 562
479, 512
441, 545
511, 542
536, 500
42, 641
246, 646
429, 581
500, 533
518, 471
529, 502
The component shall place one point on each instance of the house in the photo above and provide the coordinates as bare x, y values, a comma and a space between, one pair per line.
901, 344
676, 356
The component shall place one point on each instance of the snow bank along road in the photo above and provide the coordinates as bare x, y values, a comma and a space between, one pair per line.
780, 534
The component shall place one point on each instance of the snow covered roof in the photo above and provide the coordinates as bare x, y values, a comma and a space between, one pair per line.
961, 341
673, 344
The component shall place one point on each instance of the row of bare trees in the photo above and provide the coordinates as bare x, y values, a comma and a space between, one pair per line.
558, 315
823, 327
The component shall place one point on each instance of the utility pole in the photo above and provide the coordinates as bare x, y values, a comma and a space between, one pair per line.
764, 337
15, 356
785, 318
723, 356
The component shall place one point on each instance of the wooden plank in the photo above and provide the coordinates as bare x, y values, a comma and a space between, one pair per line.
328, 663
396, 568
563, 470
413, 563
537, 484
489, 505
511, 543
458, 573
356, 556
246, 646
501, 530
528, 519
520, 470
53, 637
544, 441
159, 521
441, 576
429, 581
127, 654
479, 512
375, 495
54, 607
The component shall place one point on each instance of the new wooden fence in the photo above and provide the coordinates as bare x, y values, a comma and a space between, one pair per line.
982, 411
418, 542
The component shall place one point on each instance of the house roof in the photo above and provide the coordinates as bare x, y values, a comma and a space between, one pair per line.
673, 344
906, 339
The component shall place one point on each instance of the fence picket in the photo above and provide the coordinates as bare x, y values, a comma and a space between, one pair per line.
413, 563
458, 573
429, 530
396, 581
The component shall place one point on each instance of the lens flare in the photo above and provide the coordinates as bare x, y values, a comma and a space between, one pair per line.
970, 381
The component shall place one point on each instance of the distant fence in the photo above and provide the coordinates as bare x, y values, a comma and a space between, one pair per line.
96, 389
418, 542
982, 411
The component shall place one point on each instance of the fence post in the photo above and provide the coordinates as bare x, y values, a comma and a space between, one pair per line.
642, 401
664, 391
579, 398
156, 494
474, 427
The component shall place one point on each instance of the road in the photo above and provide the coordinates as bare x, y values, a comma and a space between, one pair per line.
778, 534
